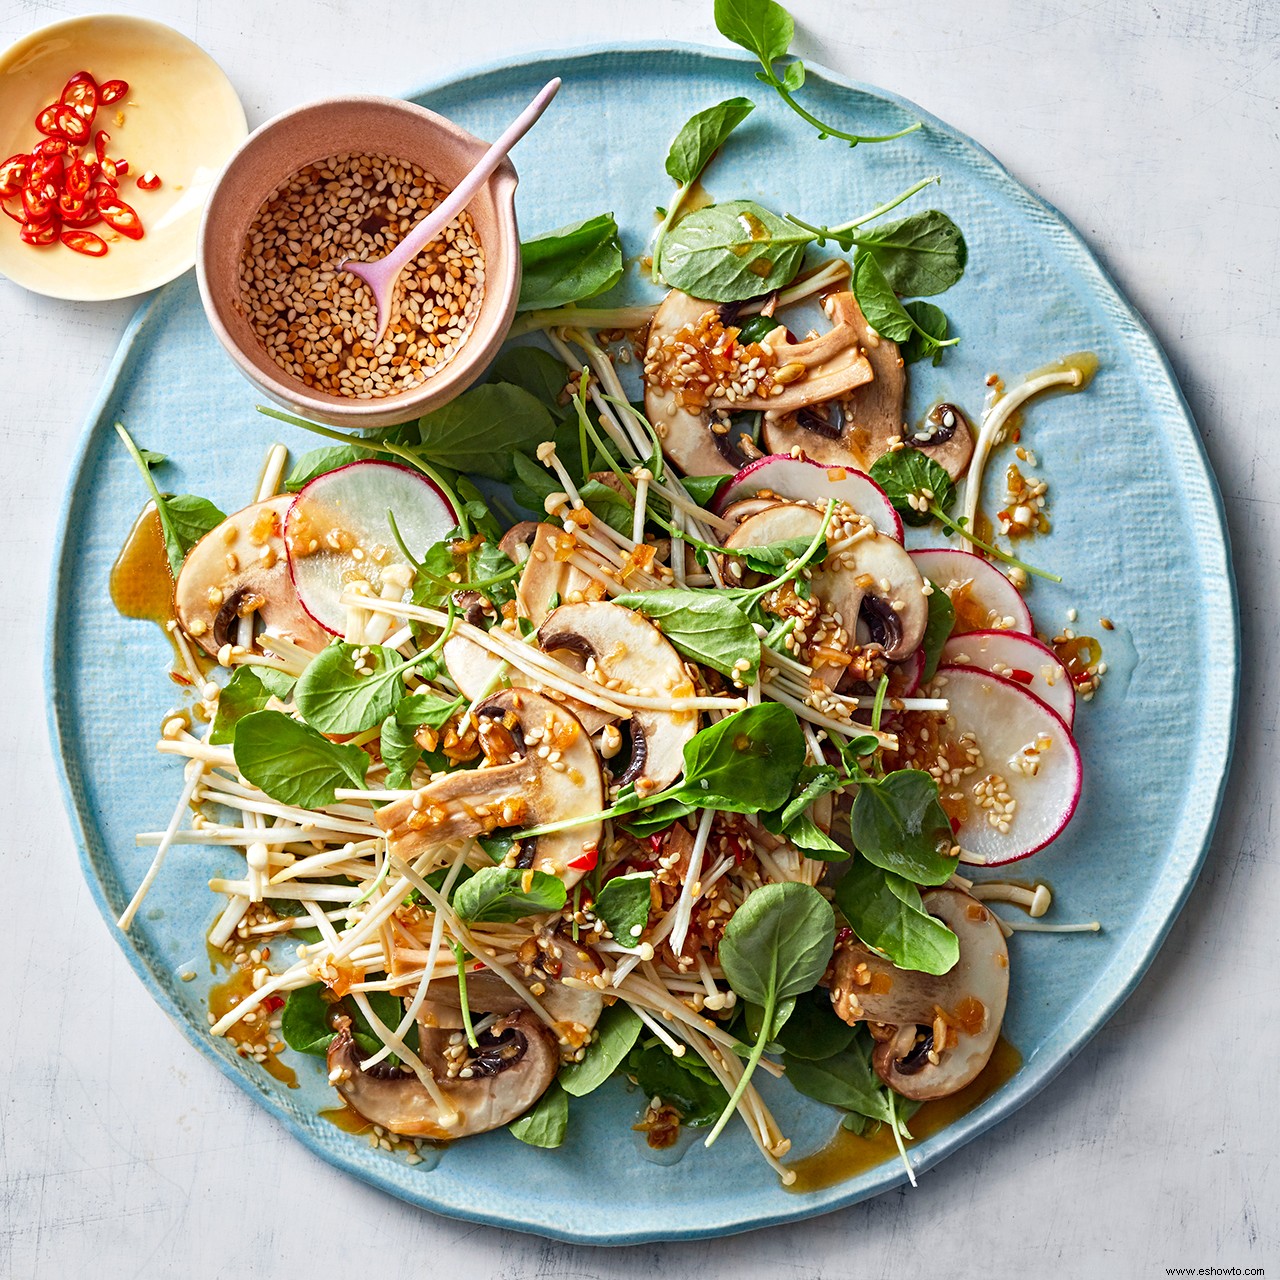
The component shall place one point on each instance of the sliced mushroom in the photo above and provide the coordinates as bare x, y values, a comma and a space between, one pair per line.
818, 369
519, 785
623, 645
238, 569
945, 435
554, 958
737, 512
516, 1062
874, 581
967, 1003
548, 575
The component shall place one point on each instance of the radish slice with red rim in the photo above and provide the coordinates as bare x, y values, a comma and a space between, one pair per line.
801, 480
338, 533
1022, 659
984, 599
1025, 776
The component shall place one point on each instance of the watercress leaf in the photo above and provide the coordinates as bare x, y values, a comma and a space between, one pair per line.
152, 458
925, 342
709, 629
865, 744
428, 709
728, 252
623, 904
702, 489
318, 462
278, 682
845, 1079
919, 255
887, 913
191, 518
804, 833
536, 371
479, 431
878, 301
907, 473
544, 1125
759, 26
702, 135
677, 1083
773, 556
304, 1020
243, 694
937, 630
746, 763
793, 76
388, 1009
400, 751
657, 817
814, 781
608, 504
778, 943
753, 1021
532, 484
898, 823
570, 264
616, 1033
813, 1031
293, 763
497, 894
335, 696
432, 586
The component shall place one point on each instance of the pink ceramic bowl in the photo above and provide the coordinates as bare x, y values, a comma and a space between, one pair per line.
279, 149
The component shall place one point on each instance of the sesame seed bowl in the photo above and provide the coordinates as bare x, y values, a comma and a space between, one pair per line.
347, 178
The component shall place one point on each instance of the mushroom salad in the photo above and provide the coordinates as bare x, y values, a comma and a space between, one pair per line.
601, 723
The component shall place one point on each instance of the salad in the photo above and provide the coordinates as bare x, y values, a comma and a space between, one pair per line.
601, 722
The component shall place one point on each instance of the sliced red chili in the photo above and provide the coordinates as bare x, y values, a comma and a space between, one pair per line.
44, 169
109, 171
122, 168
47, 120
39, 234
15, 214
1021, 676
72, 125
86, 216
100, 140
588, 860
149, 181
119, 216
78, 179
85, 242
51, 147
41, 204
80, 93
112, 91
13, 175
72, 207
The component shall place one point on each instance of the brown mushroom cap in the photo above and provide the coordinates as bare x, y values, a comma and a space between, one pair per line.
516, 1063
946, 437
240, 567
626, 646
518, 786
832, 365
970, 999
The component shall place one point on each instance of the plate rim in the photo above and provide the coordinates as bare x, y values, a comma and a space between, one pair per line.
1221, 696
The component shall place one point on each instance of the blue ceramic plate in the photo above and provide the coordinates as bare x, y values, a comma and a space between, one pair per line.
1138, 537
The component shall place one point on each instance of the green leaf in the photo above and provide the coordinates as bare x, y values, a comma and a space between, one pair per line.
419, 709
616, 1033
887, 913
400, 752
657, 817
319, 462
293, 763
898, 823
759, 26
278, 682
729, 252
190, 518
745, 763
931, 328
570, 264
536, 371
845, 1080
710, 629
497, 894
544, 1125
478, 432
813, 1031
676, 1082
907, 473
702, 489
304, 1020
335, 697
243, 694
778, 943
389, 1010
920, 255
878, 301
773, 556
794, 821
702, 135
608, 504
937, 631
623, 904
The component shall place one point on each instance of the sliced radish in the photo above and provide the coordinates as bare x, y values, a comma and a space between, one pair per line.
1022, 659
905, 676
804, 481
337, 533
1027, 773
984, 599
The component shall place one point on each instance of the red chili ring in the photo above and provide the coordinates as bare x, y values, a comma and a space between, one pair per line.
112, 91
85, 242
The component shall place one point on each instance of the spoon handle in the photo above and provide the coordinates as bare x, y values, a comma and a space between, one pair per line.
462, 195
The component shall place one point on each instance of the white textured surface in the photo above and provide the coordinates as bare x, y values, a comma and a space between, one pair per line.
1153, 127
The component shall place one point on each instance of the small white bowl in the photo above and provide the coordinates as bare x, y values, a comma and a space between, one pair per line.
182, 120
